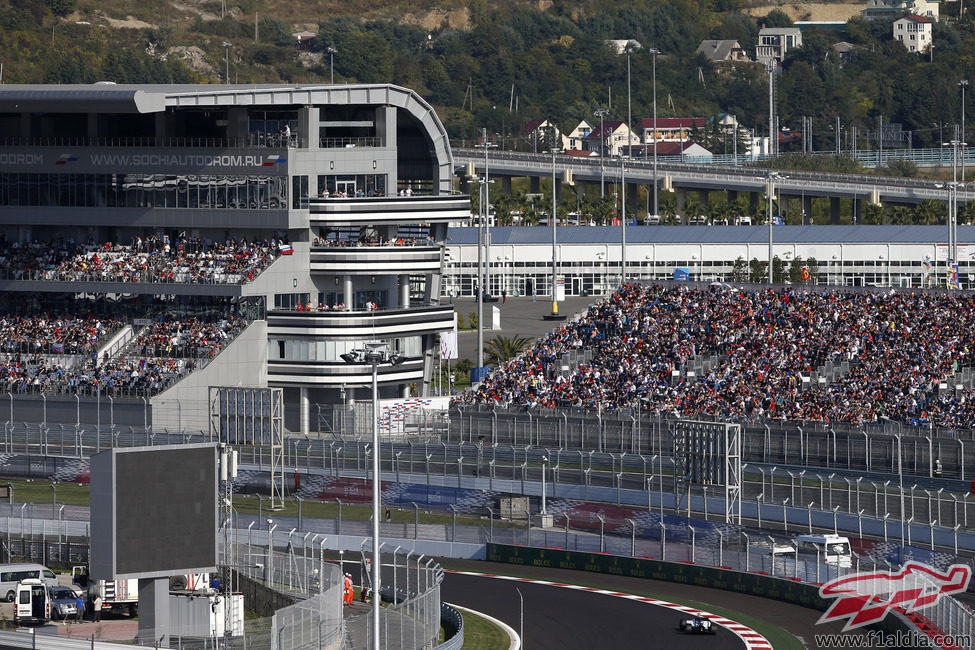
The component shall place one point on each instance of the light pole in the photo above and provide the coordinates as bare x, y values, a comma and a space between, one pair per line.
601, 113
331, 63
654, 52
226, 54
771, 108
956, 144
963, 84
555, 259
375, 353
544, 463
623, 220
770, 188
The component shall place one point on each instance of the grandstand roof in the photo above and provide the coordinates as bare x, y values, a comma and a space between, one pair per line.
715, 234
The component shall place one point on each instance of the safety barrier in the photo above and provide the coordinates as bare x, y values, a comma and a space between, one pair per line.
453, 624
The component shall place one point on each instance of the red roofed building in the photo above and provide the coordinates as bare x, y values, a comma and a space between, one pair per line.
914, 33
669, 129
609, 138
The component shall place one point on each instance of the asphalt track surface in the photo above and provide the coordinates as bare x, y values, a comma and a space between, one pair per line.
574, 620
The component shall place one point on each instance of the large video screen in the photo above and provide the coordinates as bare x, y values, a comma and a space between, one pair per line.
154, 511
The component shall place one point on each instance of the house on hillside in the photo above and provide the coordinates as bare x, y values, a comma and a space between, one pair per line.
914, 33
575, 138
621, 45
304, 39
541, 135
685, 150
723, 51
609, 138
893, 8
844, 50
774, 42
669, 129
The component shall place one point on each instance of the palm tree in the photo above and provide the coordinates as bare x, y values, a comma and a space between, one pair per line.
504, 348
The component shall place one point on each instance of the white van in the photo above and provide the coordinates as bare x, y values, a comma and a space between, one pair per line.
33, 602
833, 549
12, 574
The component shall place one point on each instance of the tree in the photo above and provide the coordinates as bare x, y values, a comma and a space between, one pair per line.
777, 18
61, 7
757, 271
778, 269
795, 270
505, 348
739, 272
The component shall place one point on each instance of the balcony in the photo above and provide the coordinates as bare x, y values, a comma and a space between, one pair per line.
339, 373
388, 210
375, 259
363, 325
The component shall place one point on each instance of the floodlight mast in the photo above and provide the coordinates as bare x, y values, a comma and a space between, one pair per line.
375, 353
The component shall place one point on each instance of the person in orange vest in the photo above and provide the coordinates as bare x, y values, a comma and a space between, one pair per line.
349, 596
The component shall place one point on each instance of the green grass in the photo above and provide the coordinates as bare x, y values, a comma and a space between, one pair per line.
482, 634
72, 494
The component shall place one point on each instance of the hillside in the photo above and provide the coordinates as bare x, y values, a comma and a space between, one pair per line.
498, 64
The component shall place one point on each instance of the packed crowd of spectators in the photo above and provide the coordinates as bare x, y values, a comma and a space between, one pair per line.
154, 259
162, 353
54, 333
899, 346
189, 337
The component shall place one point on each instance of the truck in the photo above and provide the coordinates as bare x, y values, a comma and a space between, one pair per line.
122, 596
118, 596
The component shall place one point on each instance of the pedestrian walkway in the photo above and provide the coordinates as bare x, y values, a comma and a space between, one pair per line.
519, 316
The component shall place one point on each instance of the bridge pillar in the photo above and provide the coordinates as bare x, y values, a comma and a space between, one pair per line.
858, 206
680, 198
732, 197
535, 184
834, 210
506, 185
807, 213
755, 199
704, 196
632, 199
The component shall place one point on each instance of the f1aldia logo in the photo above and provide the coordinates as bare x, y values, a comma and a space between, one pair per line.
865, 598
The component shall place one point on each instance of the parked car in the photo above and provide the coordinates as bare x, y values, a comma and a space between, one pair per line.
63, 603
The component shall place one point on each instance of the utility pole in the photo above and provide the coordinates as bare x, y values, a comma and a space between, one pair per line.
654, 52
601, 113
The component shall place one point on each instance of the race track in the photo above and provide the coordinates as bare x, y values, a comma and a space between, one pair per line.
577, 620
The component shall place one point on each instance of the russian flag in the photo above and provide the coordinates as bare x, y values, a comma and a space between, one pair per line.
65, 158
273, 160
285, 249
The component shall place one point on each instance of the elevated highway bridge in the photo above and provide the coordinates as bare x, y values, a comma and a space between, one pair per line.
698, 177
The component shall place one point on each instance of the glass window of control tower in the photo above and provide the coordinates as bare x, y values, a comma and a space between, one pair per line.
352, 185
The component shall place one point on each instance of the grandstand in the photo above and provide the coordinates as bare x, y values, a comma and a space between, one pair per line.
734, 353
159, 240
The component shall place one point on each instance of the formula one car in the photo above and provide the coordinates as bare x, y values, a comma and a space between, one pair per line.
696, 625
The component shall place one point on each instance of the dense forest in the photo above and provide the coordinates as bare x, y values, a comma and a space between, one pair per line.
509, 62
